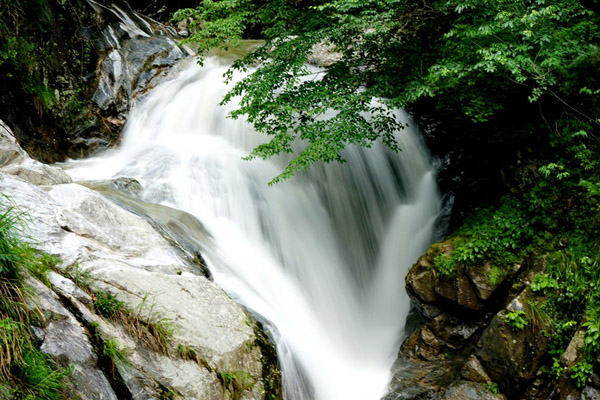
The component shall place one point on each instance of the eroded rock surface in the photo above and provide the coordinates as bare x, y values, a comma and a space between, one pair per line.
120, 253
482, 338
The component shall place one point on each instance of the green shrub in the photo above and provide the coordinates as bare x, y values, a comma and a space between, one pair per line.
500, 235
580, 373
516, 320
107, 304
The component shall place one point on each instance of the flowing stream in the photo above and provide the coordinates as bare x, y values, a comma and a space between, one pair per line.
322, 257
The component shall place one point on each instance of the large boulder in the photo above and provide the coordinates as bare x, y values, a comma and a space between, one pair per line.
415, 379
14, 160
120, 253
512, 353
463, 390
468, 288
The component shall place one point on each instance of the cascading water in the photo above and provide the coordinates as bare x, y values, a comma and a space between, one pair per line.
322, 257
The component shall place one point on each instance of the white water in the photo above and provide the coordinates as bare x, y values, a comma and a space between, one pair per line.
322, 257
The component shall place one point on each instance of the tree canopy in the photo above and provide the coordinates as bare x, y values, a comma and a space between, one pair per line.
473, 58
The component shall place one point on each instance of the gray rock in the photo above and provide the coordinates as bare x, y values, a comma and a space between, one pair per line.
453, 331
66, 341
590, 393
125, 256
324, 55
127, 71
15, 161
574, 351
462, 390
128, 185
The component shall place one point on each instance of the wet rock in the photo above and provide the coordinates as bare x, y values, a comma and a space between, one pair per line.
428, 287
122, 254
67, 288
463, 390
15, 161
445, 286
590, 393
512, 357
424, 344
479, 275
127, 185
102, 57
414, 379
473, 371
454, 331
466, 295
127, 70
420, 282
467, 288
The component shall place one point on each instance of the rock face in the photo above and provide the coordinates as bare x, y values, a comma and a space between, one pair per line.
120, 253
512, 356
14, 160
468, 290
64, 338
134, 53
481, 338
102, 57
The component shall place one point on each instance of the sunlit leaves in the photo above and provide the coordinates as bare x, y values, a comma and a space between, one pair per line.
405, 51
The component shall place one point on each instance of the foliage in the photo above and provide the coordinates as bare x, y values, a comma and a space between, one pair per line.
500, 235
516, 320
113, 350
475, 59
107, 304
29, 46
236, 382
592, 328
492, 387
571, 284
81, 277
143, 323
40, 263
24, 370
580, 373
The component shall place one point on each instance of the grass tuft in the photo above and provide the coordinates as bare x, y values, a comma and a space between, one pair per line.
143, 323
25, 372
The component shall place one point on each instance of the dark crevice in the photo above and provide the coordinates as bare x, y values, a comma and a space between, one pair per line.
105, 363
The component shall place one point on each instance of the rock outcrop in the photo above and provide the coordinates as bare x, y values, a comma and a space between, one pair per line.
214, 352
481, 338
101, 57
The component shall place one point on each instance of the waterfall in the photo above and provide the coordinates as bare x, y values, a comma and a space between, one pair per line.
321, 257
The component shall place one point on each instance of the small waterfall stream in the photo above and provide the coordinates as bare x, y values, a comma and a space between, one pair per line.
322, 256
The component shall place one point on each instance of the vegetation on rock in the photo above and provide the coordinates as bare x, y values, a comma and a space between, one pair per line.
25, 372
509, 89
36, 39
143, 323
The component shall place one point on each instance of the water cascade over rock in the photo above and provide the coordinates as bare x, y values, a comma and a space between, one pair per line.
321, 257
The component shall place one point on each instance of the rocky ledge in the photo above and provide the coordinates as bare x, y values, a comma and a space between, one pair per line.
162, 330
481, 337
